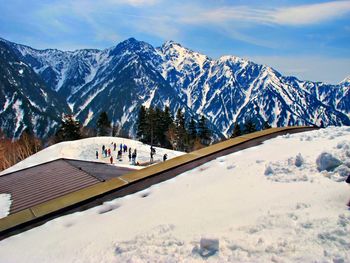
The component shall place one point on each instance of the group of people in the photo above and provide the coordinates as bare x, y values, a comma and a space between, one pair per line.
123, 148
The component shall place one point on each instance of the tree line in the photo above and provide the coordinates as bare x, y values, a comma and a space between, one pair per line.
71, 129
247, 127
154, 126
158, 127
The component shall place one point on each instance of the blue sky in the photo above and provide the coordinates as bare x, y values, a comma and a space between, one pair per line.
307, 39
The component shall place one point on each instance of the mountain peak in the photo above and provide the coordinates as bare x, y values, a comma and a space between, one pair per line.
129, 42
345, 81
131, 45
170, 43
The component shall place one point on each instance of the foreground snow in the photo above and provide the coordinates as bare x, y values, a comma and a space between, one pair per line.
5, 204
267, 203
85, 149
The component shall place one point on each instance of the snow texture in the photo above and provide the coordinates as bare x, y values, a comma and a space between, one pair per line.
228, 205
5, 204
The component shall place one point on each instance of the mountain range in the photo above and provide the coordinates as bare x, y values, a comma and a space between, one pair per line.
38, 86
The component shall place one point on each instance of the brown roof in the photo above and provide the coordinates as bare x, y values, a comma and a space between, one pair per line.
35, 185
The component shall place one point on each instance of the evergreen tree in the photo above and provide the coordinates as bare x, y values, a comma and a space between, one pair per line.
192, 129
167, 122
203, 131
236, 130
103, 125
249, 126
115, 130
69, 130
266, 125
171, 136
163, 122
142, 124
159, 135
180, 131
151, 121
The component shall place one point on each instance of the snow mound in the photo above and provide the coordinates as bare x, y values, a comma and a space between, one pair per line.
85, 149
327, 162
287, 171
5, 204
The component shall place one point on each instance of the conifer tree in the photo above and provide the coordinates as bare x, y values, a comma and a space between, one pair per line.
236, 130
158, 127
171, 136
249, 126
164, 120
151, 120
142, 124
180, 131
69, 130
203, 131
115, 130
192, 129
266, 125
103, 125
168, 123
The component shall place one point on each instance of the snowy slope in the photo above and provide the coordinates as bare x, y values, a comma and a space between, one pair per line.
233, 89
85, 149
263, 204
63, 71
130, 80
25, 101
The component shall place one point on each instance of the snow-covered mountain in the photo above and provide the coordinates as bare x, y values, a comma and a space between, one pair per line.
230, 89
233, 89
25, 100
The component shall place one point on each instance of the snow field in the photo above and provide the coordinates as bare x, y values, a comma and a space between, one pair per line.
85, 149
230, 206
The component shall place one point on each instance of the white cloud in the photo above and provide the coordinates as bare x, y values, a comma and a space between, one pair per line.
297, 15
113, 20
311, 14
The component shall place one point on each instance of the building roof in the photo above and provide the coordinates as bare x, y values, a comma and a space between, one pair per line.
38, 184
